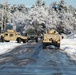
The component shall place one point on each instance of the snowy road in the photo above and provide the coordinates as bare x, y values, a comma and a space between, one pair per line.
31, 59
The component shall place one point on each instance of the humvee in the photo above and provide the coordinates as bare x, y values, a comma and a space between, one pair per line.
12, 35
51, 38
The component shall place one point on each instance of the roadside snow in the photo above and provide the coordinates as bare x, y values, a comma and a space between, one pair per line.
71, 52
7, 47
69, 46
68, 43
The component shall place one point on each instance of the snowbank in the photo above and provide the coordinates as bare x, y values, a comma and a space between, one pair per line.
7, 47
68, 43
69, 46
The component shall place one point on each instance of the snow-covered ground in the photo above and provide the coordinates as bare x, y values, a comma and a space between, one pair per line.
7, 46
69, 46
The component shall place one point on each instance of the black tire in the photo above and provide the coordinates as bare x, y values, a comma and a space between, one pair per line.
24, 41
44, 46
57, 45
2, 39
36, 39
7, 41
19, 40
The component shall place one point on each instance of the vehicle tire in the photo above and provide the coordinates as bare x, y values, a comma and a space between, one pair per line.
7, 41
18, 40
2, 39
36, 39
44, 46
24, 41
58, 45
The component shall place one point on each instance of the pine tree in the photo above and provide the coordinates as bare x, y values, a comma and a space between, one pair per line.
39, 3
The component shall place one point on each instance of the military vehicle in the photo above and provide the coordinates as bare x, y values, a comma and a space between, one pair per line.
33, 37
51, 38
12, 35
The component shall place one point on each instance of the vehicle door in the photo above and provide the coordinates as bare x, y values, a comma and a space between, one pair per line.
6, 36
12, 37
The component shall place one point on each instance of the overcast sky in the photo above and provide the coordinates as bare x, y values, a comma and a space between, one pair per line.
31, 2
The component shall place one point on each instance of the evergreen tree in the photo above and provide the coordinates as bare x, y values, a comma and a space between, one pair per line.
39, 3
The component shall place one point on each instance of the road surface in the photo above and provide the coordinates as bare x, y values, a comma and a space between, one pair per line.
31, 59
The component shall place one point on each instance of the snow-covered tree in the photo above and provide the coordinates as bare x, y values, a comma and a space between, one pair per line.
42, 17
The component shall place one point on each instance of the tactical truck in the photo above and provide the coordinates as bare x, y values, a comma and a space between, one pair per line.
51, 38
12, 35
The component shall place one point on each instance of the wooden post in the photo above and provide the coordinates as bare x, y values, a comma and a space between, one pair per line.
4, 15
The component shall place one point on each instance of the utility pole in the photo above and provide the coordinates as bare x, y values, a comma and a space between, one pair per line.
4, 15
0, 18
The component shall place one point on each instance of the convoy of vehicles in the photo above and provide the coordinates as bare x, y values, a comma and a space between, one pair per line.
50, 38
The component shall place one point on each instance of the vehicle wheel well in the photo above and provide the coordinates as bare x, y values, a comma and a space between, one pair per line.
18, 40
